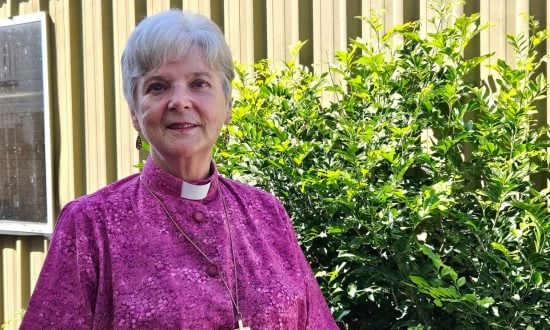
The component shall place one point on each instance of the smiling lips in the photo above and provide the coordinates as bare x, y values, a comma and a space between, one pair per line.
181, 125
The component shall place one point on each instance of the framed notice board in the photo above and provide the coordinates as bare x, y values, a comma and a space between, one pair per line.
26, 194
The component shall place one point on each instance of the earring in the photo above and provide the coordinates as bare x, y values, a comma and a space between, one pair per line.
226, 136
138, 143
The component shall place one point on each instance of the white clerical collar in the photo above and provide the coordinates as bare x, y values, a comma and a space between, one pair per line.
194, 191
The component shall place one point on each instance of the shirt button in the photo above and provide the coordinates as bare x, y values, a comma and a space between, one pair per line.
212, 270
198, 216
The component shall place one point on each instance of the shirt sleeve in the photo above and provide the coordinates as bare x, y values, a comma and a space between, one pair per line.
65, 292
318, 312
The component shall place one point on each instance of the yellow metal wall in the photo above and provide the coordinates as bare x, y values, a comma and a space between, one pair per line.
93, 137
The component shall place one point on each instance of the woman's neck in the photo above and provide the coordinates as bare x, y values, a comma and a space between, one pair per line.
187, 169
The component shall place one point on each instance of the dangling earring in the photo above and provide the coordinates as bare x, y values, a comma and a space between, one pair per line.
226, 136
138, 143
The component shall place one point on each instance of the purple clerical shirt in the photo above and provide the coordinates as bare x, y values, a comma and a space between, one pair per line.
117, 261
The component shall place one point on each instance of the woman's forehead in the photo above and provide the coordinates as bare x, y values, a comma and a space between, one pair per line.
194, 55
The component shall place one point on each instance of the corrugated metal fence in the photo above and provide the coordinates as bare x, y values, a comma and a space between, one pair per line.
93, 137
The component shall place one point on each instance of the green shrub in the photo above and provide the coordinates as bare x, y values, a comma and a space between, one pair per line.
411, 191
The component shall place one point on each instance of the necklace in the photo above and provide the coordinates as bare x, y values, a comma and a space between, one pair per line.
212, 268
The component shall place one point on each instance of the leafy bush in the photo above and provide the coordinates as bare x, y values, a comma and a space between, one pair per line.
411, 191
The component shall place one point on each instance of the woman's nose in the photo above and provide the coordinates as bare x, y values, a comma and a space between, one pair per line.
180, 99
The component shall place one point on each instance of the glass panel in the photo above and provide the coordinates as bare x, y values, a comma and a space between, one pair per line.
22, 155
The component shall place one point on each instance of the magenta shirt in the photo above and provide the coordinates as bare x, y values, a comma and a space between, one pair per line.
117, 261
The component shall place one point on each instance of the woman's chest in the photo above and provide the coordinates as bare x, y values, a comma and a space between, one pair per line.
164, 279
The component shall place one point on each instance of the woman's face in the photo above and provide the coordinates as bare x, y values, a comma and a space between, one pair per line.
180, 109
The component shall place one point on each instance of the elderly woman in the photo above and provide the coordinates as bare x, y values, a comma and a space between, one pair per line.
177, 246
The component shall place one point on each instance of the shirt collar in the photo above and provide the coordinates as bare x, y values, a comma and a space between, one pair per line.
195, 192
165, 183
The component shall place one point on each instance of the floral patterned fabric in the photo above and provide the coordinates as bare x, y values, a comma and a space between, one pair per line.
117, 261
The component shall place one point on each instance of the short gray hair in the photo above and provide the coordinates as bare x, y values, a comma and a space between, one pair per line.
168, 35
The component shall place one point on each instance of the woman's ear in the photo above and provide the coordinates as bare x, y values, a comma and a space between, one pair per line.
135, 121
229, 114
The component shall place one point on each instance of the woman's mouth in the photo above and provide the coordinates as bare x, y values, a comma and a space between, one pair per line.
181, 126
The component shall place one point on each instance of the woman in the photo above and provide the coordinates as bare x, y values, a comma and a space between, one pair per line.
177, 246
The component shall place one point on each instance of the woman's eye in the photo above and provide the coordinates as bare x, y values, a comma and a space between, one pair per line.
200, 83
156, 87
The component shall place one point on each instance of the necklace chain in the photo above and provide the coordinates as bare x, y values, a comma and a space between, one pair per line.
234, 299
